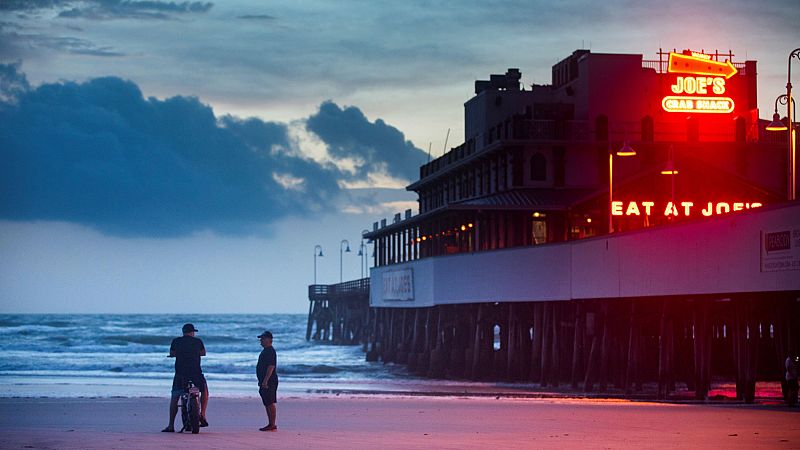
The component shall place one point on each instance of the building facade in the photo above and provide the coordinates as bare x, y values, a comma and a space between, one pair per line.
538, 164
606, 229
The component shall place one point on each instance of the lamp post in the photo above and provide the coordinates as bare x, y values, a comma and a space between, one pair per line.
792, 156
363, 254
317, 248
626, 150
361, 248
777, 125
344, 241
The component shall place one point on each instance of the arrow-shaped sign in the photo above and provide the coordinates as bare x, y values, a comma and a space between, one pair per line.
679, 63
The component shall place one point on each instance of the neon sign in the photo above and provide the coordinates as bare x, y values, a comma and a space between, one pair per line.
676, 209
700, 64
708, 78
697, 104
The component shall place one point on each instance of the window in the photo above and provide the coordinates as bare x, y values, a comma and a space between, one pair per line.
741, 129
559, 166
538, 167
601, 128
539, 230
648, 132
692, 129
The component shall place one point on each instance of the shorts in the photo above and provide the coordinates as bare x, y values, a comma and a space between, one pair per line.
269, 395
179, 383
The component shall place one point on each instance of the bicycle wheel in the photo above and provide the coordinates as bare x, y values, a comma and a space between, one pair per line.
194, 414
185, 414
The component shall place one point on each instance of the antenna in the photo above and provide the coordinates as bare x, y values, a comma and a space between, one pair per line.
429, 151
444, 149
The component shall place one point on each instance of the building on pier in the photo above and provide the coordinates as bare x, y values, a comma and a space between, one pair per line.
626, 223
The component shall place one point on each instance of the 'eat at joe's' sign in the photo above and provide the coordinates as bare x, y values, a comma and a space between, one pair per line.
701, 85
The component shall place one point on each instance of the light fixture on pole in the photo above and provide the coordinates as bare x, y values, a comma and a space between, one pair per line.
317, 252
363, 254
778, 125
792, 157
344, 241
626, 150
670, 169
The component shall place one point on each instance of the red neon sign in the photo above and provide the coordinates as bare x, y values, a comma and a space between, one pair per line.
700, 64
698, 104
675, 209
709, 77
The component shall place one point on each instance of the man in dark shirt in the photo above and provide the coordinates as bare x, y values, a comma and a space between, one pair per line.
187, 351
266, 371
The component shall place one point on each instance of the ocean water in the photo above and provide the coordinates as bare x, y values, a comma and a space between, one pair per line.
107, 355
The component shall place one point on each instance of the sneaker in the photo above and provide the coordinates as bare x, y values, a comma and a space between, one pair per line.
203, 422
269, 428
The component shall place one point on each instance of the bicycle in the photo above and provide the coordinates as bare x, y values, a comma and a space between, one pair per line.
189, 404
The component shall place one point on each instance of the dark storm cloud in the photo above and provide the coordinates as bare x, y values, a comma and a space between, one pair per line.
115, 9
375, 146
100, 154
25, 5
109, 9
256, 17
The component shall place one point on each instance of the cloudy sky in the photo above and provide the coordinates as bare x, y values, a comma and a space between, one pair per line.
167, 156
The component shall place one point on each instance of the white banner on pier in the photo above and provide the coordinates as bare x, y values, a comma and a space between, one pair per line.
398, 285
780, 250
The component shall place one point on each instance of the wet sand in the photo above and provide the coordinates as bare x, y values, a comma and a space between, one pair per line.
400, 422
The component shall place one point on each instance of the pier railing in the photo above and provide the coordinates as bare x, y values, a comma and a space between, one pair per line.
340, 291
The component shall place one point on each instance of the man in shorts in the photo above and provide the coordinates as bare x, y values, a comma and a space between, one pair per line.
266, 371
187, 351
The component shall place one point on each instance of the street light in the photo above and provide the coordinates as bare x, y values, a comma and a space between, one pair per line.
317, 248
344, 241
778, 125
363, 254
792, 161
626, 150
361, 248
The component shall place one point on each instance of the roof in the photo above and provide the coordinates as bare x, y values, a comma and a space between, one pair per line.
546, 199
529, 198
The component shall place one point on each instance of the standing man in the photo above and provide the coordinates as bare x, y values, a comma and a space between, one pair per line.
266, 371
187, 351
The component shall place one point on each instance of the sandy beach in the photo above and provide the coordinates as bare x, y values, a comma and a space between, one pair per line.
347, 421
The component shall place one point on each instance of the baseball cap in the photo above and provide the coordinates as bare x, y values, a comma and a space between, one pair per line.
188, 328
265, 334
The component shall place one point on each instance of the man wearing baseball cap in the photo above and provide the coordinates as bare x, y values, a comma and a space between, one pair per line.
266, 371
187, 351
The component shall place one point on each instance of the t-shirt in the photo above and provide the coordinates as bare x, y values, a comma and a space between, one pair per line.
267, 358
187, 350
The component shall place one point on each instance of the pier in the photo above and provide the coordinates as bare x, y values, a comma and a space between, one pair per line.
582, 236
597, 345
338, 313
